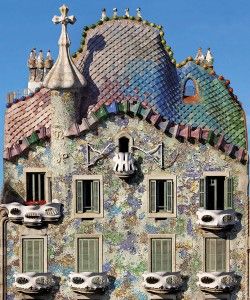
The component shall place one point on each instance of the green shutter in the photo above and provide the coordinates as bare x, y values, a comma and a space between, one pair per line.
152, 191
228, 192
202, 192
168, 191
33, 255
88, 255
161, 255
79, 195
95, 195
215, 253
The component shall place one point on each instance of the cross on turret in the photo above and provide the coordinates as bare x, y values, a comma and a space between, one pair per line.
64, 19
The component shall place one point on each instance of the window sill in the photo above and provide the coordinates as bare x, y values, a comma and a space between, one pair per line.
40, 202
160, 215
88, 215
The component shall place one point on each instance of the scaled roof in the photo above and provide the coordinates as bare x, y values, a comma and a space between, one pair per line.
128, 61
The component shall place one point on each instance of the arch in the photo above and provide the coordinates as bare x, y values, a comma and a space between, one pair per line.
190, 92
124, 141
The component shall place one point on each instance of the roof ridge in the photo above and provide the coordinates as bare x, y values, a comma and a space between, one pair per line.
167, 48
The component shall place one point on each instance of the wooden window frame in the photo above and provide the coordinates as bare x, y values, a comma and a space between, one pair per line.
162, 215
161, 236
211, 235
45, 250
87, 215
89, 236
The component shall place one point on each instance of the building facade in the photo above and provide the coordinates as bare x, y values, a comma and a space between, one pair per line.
125, 174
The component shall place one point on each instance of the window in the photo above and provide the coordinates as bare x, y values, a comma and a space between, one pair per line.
88, 197
33, 255
161, 191
215, 254
88, 254
123, 144
216, 192
161, 255
35, 188
190, 94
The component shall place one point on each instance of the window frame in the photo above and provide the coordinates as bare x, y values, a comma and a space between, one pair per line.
45, 250
87, 215
162, 215
47, 180
216, 297
161, 236
227, 176
89, 236
214, 236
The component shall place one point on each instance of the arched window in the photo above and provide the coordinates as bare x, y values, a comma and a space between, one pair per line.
190, 94
123, 144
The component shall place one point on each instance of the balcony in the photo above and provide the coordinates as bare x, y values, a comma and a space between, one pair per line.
88, 282
34, 215
217, 282
33, 283
216, 219
124, 164
162, 282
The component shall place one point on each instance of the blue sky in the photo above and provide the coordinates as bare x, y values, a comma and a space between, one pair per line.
222, 25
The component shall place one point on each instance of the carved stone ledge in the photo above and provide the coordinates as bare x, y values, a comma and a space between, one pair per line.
217, 282
216, 220
34, 215
162, 282
33, 283
88, 282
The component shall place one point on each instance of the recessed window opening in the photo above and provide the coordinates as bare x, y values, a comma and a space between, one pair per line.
123, 144
35, 187
88, 196
190, 89
215, 192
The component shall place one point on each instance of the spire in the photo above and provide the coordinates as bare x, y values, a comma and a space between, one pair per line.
32, 59
209, 57
48, 62
199, 56
64, 74
104, 14
115, 13
40, 60
127, 12
138, 13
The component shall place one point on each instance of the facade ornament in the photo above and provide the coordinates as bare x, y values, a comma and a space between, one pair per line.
138, 13
115, 13
48, 61
32, 65
40, 66
209, 57
64, 74
127, 12
199, 56
104, 14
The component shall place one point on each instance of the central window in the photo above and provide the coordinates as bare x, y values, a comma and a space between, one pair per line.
161, 200
88, 196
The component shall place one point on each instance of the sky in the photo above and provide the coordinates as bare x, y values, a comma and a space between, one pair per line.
222, 25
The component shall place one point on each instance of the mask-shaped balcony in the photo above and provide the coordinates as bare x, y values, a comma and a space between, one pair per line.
217, 282
124, 164
34, 215
88, 282
33, 283
162, 282
216, 219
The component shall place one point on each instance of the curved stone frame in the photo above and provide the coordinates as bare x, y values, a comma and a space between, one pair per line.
3, 252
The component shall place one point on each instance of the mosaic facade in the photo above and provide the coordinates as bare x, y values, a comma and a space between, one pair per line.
127, 85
